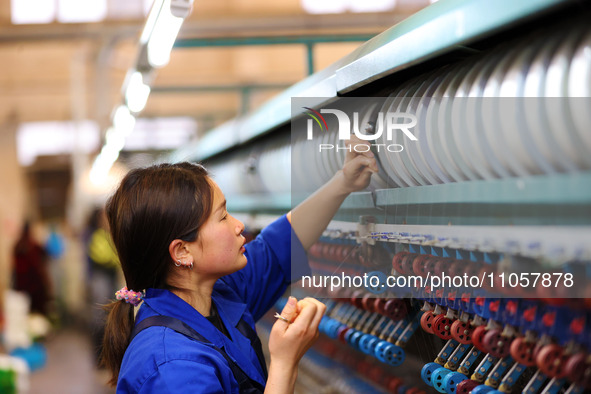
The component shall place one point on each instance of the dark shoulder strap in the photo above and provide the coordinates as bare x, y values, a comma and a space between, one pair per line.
246, 384
170, 322
246, 330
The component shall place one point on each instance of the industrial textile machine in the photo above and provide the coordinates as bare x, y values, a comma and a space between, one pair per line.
466, 264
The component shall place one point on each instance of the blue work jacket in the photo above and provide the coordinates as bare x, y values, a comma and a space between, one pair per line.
161, 360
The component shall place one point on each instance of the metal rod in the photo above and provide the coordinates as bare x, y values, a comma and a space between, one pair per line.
216, 88
310, 58
279, 40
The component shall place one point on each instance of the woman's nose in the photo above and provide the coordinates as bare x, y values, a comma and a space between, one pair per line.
239, 227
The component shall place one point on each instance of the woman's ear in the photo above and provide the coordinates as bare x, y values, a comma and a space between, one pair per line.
179, 250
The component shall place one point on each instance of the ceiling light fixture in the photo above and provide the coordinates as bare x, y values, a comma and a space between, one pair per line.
136, 91
156, 41
162, 27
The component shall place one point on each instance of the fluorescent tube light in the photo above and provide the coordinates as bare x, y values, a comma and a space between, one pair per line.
162, 27
137, 92
123, 120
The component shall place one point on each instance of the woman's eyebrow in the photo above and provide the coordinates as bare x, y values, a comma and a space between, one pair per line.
222, 205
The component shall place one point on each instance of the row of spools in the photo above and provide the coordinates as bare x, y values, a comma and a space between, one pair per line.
479, 355
520, 109
490, 345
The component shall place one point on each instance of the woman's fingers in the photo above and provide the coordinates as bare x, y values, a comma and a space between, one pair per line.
305, 315
289, 312
320, 309
308, 319
362, 163
356, 149
289, 342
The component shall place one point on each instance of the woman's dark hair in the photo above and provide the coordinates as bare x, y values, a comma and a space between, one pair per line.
152, 207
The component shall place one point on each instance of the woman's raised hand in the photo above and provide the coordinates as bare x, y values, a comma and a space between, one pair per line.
289, 341
359, 164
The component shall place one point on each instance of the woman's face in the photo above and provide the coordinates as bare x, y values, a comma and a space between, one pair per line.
219, 248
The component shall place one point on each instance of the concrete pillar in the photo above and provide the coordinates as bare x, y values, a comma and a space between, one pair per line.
13, 202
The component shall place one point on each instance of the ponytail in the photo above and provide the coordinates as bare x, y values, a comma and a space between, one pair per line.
118, 329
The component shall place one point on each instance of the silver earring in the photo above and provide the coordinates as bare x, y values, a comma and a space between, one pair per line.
178, 263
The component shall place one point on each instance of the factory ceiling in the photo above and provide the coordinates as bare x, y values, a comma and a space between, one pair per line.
61, 72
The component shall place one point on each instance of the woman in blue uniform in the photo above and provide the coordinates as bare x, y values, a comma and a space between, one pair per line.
202, 288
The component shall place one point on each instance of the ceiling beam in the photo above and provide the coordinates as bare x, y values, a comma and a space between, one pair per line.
279, 25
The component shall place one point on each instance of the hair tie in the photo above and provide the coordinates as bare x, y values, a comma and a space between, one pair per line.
131, 297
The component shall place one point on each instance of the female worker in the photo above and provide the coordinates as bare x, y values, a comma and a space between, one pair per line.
203, 288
